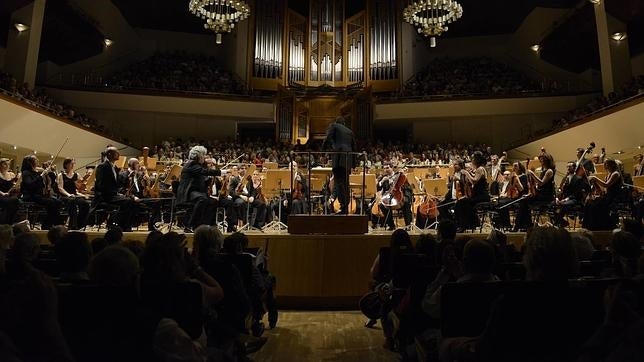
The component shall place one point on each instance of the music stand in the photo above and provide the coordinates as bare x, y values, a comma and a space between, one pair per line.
436, 187
173, 175
273, 185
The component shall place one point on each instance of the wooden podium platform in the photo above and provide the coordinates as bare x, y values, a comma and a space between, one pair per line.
328, 224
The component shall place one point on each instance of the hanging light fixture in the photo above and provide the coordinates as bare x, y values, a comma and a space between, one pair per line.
430, 17
220, 15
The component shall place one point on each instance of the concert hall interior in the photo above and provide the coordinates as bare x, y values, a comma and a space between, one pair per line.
321, 180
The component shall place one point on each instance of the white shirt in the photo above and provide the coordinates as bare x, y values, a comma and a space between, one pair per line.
114, 170
504, 188
457, 177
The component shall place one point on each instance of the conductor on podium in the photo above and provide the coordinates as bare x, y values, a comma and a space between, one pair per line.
339, 138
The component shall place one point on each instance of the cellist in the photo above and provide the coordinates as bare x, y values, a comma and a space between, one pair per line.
388, 182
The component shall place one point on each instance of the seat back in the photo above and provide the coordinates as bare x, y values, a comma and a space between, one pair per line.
243, 263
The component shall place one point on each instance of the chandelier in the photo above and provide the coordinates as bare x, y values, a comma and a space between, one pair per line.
430, 17
220, 15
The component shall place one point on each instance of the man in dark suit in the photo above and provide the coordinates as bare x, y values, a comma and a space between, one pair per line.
587, 164
340, 138
108, 186
193, 189
573, 191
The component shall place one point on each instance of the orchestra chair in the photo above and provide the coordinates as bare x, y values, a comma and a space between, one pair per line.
486, 211
539, 209
34, 212
220, 219
103, 211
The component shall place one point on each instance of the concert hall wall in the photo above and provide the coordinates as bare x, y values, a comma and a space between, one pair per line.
38, 131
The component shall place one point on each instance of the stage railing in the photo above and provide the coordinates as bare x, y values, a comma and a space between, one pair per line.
348, 166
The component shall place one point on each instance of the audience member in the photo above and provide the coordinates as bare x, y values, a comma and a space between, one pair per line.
98, 244
113, 236
115, 266
56, 233
626, 250
73, 253
549, 254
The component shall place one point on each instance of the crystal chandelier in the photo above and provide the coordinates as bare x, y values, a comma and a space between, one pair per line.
220, 15
431, 17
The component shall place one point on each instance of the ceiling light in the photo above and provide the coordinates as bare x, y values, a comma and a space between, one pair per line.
618, 36
595, 2
51, 156
21, 27
108, 42
15, 147
218, 38
35, 152
431, 18
535, 48
220, 16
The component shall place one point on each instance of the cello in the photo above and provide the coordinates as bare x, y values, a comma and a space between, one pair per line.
393, 198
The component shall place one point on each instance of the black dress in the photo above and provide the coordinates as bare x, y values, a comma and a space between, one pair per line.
8, 204
597, 215
465, 211
77, 207
32, 189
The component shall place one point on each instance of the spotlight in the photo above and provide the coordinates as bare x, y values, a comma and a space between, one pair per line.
535, 48
15, 147
21, 27
618, 36
108, 42
35, 152
51, 156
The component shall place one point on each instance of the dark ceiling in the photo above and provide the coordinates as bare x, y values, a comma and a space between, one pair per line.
170, 15
68, 36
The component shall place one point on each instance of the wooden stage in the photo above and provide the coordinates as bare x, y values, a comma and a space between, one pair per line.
323, 271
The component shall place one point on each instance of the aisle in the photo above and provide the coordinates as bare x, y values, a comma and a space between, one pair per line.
323, 336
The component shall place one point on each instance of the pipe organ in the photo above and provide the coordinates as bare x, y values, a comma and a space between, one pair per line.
316, 43
324, 62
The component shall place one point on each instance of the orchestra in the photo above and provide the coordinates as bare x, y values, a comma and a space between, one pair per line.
592, 192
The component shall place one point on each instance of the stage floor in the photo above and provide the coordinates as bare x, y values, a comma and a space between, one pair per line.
322, 271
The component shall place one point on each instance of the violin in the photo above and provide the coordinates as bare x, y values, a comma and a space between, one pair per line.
47, 180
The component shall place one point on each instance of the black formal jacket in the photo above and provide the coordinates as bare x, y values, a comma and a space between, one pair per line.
340, 138
107, 186
124, 176
194, 181
574, 189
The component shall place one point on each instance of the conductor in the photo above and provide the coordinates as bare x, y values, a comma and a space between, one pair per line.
339, 138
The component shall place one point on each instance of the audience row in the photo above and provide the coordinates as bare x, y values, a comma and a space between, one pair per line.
115, 299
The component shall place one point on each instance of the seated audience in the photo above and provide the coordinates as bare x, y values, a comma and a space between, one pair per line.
73, 253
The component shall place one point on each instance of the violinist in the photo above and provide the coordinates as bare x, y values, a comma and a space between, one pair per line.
8, 193
570, 194
77, 204
253, 194
464, 210
544, 187
597, 215
638, 165
108, 189
33, 190
236, 185
193, 188
137, 182
51, 185
496, 169
509, 190
218, 193
455, 189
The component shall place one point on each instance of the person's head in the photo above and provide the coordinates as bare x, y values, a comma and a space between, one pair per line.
256, 177
112, 154
626, 251
401, 241
68, 164
26, 247
494, 159
153, 236
4, 164
610, 165
197, 153
73, 252
478, 159
446, 230
294, 166
478, 257
549, 254
242, 170
580, 151
571, 167
164, 259
634, 227
584, 248
115, 266
234, 171
546, 160
459, 165
595, 158
114, 235
20, 228
56, 233
133, 164
29, 163
507, 176
234, 243
388, 169
207, 239
518, 168
340, 120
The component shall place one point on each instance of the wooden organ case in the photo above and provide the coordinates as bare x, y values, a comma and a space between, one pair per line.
323, 62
